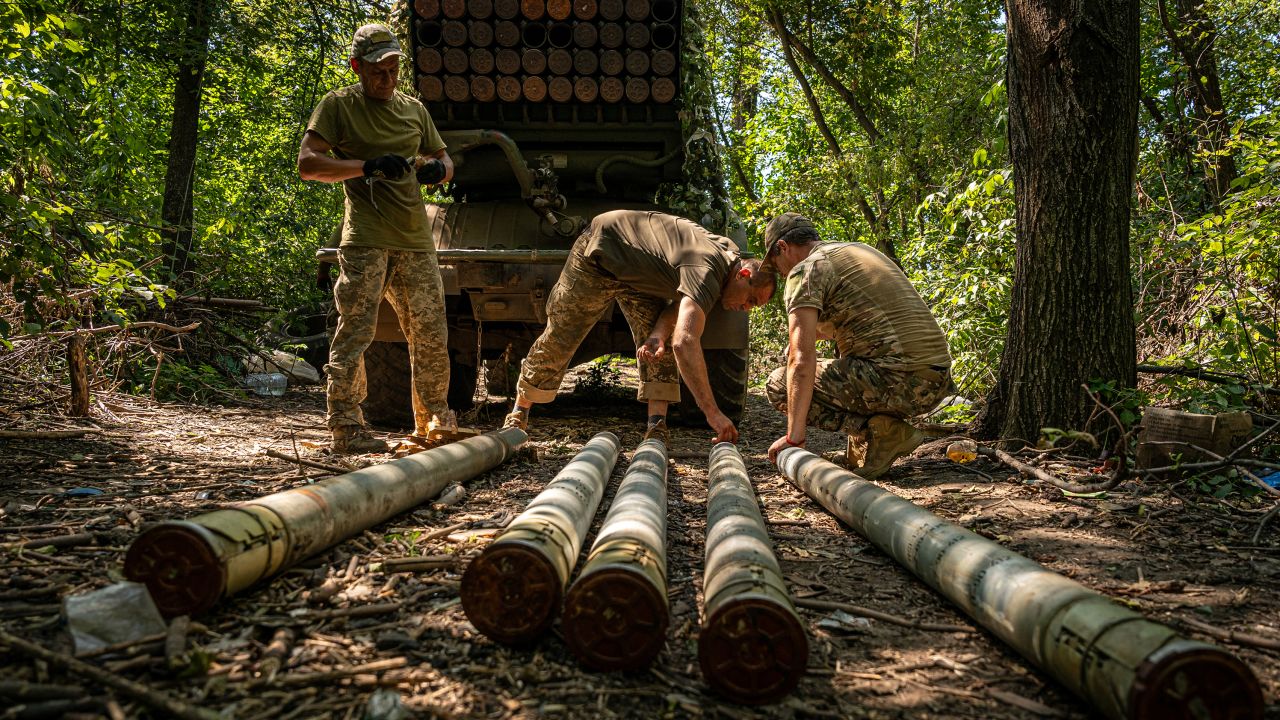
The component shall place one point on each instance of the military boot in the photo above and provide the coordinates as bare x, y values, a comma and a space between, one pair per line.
855, 452
657, 430
356, 440
888, 438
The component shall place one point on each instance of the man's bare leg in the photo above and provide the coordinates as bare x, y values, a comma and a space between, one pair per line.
657, 426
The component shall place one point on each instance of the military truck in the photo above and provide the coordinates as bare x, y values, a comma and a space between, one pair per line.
553, 111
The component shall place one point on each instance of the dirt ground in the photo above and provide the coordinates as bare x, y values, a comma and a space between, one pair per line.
345, 626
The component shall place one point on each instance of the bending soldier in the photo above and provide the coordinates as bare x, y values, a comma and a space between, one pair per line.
893, 361
363, 136
666, 274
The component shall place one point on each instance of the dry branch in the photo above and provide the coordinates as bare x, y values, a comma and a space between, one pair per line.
167, 704
859, 611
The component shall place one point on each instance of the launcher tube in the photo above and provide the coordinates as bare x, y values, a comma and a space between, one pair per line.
1126, 666
616, 613
512, 590
189, 565
752, 648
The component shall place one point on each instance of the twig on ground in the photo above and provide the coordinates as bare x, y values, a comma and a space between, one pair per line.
46, 434
1263, 523
309, 463
1232, 636
152, 698
860, 611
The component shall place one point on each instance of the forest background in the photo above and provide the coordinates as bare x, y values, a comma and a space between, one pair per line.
886, 122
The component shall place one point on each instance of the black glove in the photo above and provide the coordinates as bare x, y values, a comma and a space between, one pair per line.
389, 166
431, 172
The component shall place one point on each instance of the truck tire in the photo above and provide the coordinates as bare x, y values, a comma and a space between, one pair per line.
388, 401
727, 373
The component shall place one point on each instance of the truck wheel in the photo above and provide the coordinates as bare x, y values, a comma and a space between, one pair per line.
386, 370
727, 372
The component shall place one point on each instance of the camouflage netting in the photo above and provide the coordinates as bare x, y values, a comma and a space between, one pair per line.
702, 197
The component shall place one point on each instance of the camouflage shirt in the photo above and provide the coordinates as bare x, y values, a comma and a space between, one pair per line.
870, 308
386, 213
661, 255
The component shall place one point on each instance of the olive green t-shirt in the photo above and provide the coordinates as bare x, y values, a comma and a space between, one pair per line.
661, 255
870, 308
383, 213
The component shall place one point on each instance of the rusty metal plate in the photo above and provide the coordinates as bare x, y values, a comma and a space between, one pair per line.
511, 592
615, 619
179, 567
753, 650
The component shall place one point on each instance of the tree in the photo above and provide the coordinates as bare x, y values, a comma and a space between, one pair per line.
179, 179
1073, 100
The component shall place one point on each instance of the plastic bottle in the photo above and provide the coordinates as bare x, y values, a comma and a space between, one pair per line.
267, 383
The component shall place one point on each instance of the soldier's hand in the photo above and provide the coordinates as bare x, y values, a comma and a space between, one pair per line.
324, 280
431, 172
652, 350
781, 444
389, 166
725, 431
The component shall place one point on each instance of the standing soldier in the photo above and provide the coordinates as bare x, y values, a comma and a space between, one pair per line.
371, 137
666, 273
893, 361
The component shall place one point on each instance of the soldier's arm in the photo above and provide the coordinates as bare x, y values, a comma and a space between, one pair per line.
656, 345
315, 162
802, 368
687, 343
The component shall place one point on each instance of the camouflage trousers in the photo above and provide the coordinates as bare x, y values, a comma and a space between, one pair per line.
579, 299
849, 390
411, 283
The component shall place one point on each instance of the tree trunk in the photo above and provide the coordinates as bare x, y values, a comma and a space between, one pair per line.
1073, 105
176, 212
1193, 40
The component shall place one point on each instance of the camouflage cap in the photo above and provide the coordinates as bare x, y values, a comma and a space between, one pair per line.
792, 227
374, 42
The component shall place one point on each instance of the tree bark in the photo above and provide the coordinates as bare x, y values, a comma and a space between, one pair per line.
1073, 104
176, 212
78, 376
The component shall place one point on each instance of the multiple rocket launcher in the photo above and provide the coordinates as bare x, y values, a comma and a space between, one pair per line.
584, 52
752, 646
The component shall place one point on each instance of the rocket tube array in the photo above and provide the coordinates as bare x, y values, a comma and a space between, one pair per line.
1126, 666
190, 565
565, 51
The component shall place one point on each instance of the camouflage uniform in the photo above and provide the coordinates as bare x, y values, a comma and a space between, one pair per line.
849, 390
411, 282
576, 303
893, 357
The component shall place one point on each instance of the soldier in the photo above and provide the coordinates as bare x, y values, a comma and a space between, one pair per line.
893, 361
364, 135
666, 273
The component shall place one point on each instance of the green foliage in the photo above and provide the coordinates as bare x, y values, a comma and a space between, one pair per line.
603, 379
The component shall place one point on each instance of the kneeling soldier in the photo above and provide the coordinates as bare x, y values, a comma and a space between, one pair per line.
893, 361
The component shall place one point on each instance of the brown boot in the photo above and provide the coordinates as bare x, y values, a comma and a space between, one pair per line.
658, 431
888, 438
355, 440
